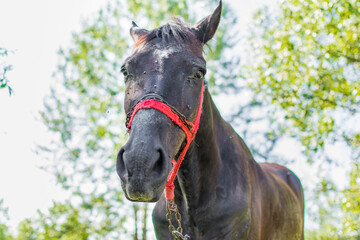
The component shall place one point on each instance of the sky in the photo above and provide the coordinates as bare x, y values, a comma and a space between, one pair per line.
34, 31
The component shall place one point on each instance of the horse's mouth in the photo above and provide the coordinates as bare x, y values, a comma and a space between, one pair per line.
142, 191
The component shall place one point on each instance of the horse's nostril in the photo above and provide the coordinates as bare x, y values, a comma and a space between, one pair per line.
159, 163
120, 164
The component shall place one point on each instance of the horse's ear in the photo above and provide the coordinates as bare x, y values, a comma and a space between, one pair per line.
137, 32
206, 28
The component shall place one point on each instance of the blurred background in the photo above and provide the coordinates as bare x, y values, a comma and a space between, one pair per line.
286, 74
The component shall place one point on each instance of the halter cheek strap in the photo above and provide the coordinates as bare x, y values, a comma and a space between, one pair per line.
188, 127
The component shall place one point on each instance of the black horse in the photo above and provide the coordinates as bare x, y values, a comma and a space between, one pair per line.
220, 191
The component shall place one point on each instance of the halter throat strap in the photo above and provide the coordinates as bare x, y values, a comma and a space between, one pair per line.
157, 102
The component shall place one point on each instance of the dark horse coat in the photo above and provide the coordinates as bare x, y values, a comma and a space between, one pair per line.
221, 192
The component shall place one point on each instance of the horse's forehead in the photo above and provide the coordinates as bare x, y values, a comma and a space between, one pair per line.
163, 53
158, 55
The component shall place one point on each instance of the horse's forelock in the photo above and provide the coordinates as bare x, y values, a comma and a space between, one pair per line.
175, 30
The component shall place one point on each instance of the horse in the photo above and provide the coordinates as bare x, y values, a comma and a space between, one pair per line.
219, 190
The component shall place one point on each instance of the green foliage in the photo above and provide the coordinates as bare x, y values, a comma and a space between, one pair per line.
26, 230
4, 217
350, 202
62, 222
314, 235
4, 68
305, 60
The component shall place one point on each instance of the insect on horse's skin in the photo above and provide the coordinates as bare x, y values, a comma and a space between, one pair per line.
221, 192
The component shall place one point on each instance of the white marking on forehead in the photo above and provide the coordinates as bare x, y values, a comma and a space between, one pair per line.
161, 54
165, 53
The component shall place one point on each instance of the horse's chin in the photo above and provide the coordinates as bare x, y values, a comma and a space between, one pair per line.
142, 199
137, 195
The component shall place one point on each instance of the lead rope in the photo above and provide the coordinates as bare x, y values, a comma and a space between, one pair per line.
177, 233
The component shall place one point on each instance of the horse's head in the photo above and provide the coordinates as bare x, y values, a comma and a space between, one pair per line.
166, 64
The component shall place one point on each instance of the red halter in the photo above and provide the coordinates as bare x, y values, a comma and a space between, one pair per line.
188, 127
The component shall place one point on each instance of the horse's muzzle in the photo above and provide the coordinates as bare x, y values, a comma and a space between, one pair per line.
143, 178
142, 163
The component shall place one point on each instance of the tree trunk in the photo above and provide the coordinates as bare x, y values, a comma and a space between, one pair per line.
144, 222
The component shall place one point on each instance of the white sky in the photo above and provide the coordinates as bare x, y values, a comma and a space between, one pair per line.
35, 30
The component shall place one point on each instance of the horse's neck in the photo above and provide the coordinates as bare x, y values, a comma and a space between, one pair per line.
199, 173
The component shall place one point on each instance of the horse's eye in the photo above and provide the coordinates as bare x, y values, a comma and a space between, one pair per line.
199, 74
124, 71
126, 74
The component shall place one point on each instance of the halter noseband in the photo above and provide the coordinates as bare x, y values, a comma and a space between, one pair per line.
157, 102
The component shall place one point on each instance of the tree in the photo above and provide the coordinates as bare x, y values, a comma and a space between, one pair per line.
62, 221
4, 68
305, 60
84, 110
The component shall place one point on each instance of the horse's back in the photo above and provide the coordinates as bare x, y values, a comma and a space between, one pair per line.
287, 176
